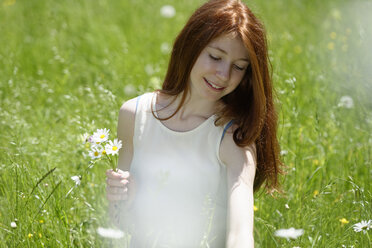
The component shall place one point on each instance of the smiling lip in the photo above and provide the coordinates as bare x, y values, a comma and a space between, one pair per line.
213, 86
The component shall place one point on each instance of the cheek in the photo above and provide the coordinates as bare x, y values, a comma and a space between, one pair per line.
203, 64
236, 80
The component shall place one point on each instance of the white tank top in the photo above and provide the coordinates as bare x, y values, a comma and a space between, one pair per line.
180, 196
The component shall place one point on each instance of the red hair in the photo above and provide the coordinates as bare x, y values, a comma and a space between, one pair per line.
250, 105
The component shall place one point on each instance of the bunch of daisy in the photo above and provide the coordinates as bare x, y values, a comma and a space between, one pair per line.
103, 148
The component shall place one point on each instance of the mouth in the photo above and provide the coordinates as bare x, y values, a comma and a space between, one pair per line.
213, 86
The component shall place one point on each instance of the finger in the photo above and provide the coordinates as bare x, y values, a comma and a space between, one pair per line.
123, 174
112, 174
116, 182
117, 175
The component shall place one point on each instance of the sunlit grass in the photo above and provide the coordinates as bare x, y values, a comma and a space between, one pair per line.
67, 66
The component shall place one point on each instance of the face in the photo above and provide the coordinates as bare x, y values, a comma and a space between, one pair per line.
219, 68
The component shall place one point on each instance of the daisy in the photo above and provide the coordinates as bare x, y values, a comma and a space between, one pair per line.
289, 233
76, 179
113, 147
95, 152
101, 135
167, 11
363, 226
110, 233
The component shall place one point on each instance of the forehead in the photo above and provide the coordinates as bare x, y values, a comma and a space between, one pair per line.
232, 45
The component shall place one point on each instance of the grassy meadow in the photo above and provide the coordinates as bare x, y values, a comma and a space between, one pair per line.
67, 66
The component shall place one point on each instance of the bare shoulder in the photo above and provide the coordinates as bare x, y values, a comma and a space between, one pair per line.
126, 120
129, 108
240, 161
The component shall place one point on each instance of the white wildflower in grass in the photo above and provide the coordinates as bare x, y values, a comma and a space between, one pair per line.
149, 69
165, 48
13, 224
76, 179
363, 226
290, 233
95, 152
283, 152
346, 102
113, 147
129, 89
168, 11
110, 233
101, 135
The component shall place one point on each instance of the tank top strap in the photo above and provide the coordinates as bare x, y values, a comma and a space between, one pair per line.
225, 129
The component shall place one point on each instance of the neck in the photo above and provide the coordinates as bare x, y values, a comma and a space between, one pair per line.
196, 106
193, 106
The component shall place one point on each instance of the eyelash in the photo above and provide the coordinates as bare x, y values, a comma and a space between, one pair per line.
217, 59
239, 68
214, 58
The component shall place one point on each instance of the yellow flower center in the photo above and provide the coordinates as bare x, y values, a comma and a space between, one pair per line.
96, 153
316, 192
102, 136
114, 148
344, 221
104, 152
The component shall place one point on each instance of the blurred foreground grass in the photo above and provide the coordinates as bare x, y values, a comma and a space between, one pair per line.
67, 66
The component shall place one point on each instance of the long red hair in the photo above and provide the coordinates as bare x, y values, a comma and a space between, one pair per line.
250, 105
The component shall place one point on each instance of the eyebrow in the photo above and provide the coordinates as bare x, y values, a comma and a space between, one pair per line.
223, 51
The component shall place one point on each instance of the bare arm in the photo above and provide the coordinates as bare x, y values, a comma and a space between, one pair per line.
241, 168
125, 132
119, 185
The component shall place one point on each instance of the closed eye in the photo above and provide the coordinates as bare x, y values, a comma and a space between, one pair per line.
214, 58
239, 68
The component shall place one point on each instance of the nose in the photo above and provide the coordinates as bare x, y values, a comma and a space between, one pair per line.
223, 72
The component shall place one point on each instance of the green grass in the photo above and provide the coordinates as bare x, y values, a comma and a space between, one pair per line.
67, 66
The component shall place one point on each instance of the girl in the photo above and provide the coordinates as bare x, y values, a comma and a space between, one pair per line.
196, 150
